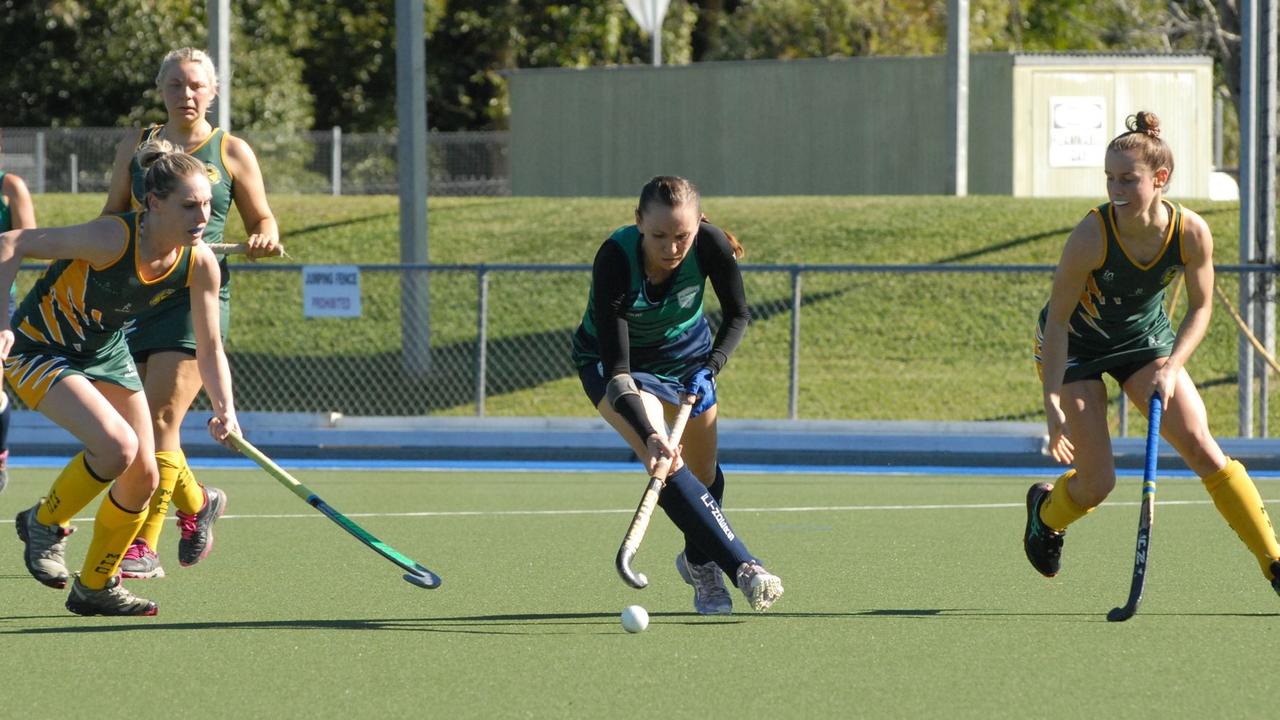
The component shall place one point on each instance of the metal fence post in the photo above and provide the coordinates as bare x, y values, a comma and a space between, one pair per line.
335, 161
39, 163
75, 173
482, 336
793, 394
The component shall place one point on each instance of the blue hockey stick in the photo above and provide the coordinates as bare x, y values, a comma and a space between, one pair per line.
1145, 516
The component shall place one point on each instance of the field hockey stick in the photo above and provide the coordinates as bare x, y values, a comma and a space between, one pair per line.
1145, 516
415, 573
240, 249
640, 521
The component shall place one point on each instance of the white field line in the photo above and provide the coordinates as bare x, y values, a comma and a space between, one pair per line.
624, 511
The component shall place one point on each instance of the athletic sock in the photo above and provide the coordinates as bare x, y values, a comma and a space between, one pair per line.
1237, 499
77, 485
113, 530
1059, 510
188, 495
170, 464
692, 553
691, 507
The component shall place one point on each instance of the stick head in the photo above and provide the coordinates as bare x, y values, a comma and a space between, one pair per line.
423, 578
1120, 614
635, 579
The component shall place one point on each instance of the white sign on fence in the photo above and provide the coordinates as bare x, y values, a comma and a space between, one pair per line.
331, 291
1077, 131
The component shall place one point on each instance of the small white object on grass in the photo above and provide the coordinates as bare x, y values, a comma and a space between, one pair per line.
634, 619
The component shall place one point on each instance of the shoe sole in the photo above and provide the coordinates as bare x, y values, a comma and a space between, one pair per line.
217, 513
684, 575
89, 611
153, 575
20, 524
1032, 496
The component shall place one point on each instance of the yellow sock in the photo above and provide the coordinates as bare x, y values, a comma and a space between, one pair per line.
1059, 510
188, 496
74, 489
1237, 499
113, 530
170, 464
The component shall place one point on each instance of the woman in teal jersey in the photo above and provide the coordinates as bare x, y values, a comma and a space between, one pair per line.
16, 212
65, 355
1106, 315
644, 343
162, 340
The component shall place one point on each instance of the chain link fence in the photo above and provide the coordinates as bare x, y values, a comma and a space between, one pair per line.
459, 163
938, 343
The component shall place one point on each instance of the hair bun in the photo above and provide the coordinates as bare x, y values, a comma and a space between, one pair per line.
1144, 122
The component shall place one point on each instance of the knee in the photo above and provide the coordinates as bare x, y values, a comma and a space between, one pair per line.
1089, 489
112, 455
167, 416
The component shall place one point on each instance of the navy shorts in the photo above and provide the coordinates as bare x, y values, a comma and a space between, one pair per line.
666, 389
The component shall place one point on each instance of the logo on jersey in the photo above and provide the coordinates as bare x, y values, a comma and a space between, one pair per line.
1108, 276
161, 296
687, 296
212, 173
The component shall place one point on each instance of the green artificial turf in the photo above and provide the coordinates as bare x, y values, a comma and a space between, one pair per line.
906, 596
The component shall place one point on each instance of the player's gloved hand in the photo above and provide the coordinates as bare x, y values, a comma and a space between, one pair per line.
703, 384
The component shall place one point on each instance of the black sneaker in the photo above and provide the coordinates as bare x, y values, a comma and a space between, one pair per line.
1042, 544
1275, 576
197, 530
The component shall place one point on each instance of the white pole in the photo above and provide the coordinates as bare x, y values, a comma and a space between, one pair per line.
1265, 197
411, 113
1248, 186
958, 89
335, 161
75, 173
220, 50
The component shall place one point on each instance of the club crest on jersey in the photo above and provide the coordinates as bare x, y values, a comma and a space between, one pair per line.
1108, 276
687, 296
160, 296
212, 173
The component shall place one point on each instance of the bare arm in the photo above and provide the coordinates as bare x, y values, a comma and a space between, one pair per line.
215, 371
21, 210
1082, 254
120, 192
250, 196
1197, 255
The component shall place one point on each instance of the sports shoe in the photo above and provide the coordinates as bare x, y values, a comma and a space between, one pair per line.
110, 600
197, 529
760, 586
4, 470
709, 594
141, 562
1042, 544
46, 547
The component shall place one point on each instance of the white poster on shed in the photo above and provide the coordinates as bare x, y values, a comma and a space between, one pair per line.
1077, 131
331, 291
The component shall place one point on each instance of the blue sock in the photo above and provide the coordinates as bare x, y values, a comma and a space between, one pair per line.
692, 552
692, 508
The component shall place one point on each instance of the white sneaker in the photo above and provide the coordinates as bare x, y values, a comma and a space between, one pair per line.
709, 594
760, 586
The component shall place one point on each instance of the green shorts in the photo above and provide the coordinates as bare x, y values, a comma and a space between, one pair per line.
32, 369
168, 326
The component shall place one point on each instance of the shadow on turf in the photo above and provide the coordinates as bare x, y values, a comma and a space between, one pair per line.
520, 623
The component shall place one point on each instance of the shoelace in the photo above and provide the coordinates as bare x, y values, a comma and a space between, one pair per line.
136, 551
187, 524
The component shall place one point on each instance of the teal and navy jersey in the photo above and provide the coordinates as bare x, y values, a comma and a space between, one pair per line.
1122, 306
630, 324
77, 309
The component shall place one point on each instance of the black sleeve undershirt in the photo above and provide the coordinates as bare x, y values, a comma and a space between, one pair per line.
611, 280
